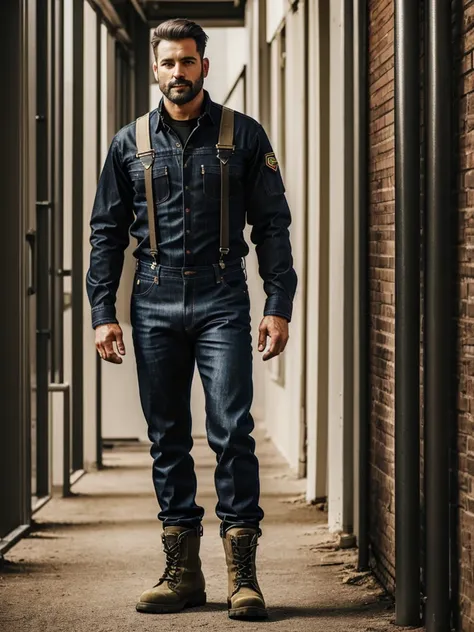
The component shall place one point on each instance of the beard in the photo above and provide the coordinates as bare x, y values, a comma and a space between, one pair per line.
190, 91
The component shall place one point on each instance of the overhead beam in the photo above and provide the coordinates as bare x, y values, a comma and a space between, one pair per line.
112, 20
207, 13
139, 10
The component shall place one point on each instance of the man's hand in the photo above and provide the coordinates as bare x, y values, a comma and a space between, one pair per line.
276, 328
105, 336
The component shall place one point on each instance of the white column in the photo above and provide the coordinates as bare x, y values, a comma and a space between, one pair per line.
340, 393
318, 253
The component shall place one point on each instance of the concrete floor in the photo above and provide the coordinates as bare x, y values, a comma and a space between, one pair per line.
90, 556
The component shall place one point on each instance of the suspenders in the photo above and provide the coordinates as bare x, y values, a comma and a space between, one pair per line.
147, 158
225, 148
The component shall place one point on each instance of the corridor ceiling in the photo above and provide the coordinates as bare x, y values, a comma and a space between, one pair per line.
206, 12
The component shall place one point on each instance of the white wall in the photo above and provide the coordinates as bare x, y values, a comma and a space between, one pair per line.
317, 269
341, 274
284, 416
276, 10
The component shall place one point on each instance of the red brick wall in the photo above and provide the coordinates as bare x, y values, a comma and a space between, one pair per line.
382, 283
466, 321
382, 304
382, 291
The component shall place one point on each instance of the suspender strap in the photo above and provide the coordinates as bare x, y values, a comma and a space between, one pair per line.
225, 149
147, 157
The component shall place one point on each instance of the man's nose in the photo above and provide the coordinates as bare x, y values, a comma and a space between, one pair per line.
178, 71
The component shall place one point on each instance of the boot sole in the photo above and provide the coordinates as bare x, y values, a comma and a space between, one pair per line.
156, 608
248, 613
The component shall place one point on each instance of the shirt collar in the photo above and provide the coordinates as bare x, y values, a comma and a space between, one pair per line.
207, 111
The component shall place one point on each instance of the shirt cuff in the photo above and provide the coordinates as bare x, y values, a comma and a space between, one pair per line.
103, 315
278, 305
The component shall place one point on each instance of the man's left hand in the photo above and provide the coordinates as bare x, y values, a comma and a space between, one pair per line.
276, 328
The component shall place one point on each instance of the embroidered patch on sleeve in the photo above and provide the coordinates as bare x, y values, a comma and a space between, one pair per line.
271, 161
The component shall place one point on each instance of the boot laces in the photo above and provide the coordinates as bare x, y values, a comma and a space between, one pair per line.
243, 559
172, 552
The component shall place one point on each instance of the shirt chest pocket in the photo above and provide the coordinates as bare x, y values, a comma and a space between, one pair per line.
161, 184
211, 178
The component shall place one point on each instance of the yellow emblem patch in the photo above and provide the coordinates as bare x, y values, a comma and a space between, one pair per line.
271, 161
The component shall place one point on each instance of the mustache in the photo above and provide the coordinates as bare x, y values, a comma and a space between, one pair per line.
176, 84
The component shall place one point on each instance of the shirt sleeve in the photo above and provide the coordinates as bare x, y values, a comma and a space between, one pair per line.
111, 218
269, 215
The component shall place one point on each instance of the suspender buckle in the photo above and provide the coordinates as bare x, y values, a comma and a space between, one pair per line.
147, 158
223, 251
224, 152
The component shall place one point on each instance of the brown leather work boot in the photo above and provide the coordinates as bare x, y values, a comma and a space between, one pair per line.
245, 599
182, 583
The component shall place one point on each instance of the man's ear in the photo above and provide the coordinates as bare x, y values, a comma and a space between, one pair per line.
205, 66
155, 71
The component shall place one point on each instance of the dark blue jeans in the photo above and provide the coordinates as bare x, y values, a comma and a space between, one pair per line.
182, 317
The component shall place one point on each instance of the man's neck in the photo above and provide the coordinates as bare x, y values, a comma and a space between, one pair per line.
187, 111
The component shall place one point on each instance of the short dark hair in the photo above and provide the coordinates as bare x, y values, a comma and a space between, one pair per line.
179, 29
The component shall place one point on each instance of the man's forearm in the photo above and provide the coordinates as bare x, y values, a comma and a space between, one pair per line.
102, 281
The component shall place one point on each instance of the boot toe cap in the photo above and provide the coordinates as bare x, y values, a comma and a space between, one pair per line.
156, 596
247, 601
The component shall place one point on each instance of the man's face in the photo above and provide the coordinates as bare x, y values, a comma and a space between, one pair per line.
179, 70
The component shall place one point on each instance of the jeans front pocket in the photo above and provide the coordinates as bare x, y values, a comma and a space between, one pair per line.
143, 285
235, 282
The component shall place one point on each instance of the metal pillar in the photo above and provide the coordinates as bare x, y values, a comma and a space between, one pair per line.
77, 236
439, 301
17, 40
364, 312
57, 186
98, 395
45, 53
407, 317
141, 68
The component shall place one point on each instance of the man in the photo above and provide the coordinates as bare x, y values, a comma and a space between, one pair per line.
190, 304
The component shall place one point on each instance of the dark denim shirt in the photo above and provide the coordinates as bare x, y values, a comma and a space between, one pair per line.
187, 200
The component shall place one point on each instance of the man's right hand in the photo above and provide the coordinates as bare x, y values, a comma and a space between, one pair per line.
105, 336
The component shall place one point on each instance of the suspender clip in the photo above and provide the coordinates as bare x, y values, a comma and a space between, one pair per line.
147, 158
224, 152
223, 251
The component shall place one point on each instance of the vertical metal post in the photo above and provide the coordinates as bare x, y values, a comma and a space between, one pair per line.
42, 350
364, 313
44, 54
15, 455
77, 238
407, 316
57, 283
141, 67
98, 412
438, 306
